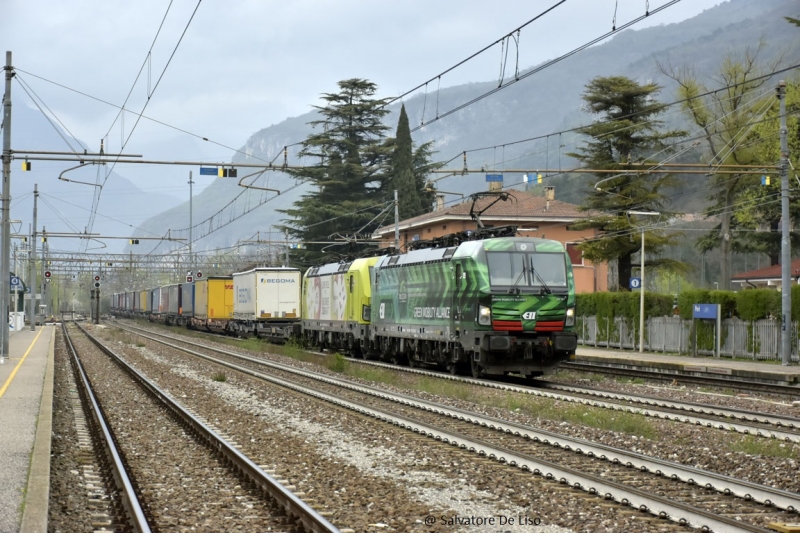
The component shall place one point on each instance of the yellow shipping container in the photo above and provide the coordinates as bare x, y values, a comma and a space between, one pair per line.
213, 298
143, 301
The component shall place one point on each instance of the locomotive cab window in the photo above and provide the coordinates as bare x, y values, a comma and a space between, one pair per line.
352, 283
517, 269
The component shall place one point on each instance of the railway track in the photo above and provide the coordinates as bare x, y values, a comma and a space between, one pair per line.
684, 495
747, 422
788, 391
175, 471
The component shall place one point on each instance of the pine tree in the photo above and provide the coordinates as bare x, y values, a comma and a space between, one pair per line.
627, 132
349, 156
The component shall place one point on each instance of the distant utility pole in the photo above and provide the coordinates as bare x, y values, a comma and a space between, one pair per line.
5, 279
786, 244
396, 222
32, 266
191, 258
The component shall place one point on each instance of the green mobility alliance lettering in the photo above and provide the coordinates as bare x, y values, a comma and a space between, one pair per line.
431, 312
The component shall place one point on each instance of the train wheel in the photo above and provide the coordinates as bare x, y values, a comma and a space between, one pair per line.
454, 368
477, 370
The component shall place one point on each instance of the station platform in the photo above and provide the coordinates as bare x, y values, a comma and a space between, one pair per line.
717, 367
26, 401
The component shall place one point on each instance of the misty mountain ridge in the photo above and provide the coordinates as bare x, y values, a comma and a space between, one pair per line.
546, 102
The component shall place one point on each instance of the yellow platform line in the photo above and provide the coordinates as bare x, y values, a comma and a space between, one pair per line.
16, 368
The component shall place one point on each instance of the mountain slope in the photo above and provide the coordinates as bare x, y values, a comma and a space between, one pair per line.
545, 102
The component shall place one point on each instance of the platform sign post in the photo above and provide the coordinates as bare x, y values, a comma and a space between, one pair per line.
708, 312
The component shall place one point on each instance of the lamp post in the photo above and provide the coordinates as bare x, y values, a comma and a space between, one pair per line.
641, 288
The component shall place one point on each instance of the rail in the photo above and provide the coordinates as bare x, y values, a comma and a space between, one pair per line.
294, 506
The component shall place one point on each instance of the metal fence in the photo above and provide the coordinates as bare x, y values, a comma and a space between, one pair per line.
757, 340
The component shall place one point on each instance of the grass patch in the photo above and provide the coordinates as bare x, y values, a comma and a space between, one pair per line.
630, 381
220, 376
369, 373
577, 376
336, 363
753, 445
606, 419
443, 387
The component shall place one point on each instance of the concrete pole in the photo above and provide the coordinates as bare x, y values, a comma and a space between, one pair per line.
32, 269
786, 243
286, 250
641, 302
44, 266
396, 222
5, 278
191, 257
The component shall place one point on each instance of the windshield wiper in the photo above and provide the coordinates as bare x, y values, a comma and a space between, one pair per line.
544, 285
514, 289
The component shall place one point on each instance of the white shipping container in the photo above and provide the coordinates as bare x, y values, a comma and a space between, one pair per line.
267, 294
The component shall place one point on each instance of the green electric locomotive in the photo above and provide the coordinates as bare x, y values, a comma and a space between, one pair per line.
489, 307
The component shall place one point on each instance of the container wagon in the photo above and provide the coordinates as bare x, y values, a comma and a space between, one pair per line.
266, 301
213, 304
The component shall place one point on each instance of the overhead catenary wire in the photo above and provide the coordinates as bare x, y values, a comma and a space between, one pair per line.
147, 62
545, 65
476, 54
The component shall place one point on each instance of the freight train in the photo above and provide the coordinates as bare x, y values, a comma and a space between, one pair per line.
482, 306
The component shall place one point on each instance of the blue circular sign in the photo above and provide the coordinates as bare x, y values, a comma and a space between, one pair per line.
636, 283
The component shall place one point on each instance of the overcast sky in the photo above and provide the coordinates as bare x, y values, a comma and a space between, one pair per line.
243, 65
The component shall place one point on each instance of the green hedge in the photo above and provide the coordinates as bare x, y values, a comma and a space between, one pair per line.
752, 304
625, 304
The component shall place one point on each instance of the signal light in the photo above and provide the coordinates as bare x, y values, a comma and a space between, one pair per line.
226, 172
188, 279
26, 166
134, 241
96, 284
47, 274
97, 278
199, 275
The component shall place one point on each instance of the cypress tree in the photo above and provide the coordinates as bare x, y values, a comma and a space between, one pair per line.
401, 173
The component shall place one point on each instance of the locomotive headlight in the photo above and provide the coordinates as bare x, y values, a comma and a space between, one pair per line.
484, 315
570, 321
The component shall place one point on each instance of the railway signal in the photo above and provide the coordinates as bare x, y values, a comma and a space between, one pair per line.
97, 278
188, 279
199, 275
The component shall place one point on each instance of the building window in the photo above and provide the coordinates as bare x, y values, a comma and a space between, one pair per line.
429, 230
444, 226
575, 255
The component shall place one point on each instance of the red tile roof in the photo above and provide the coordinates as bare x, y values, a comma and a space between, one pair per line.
521, 206
771, 272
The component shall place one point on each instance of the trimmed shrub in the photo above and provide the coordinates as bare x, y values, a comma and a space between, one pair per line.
756, 304
625, 304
